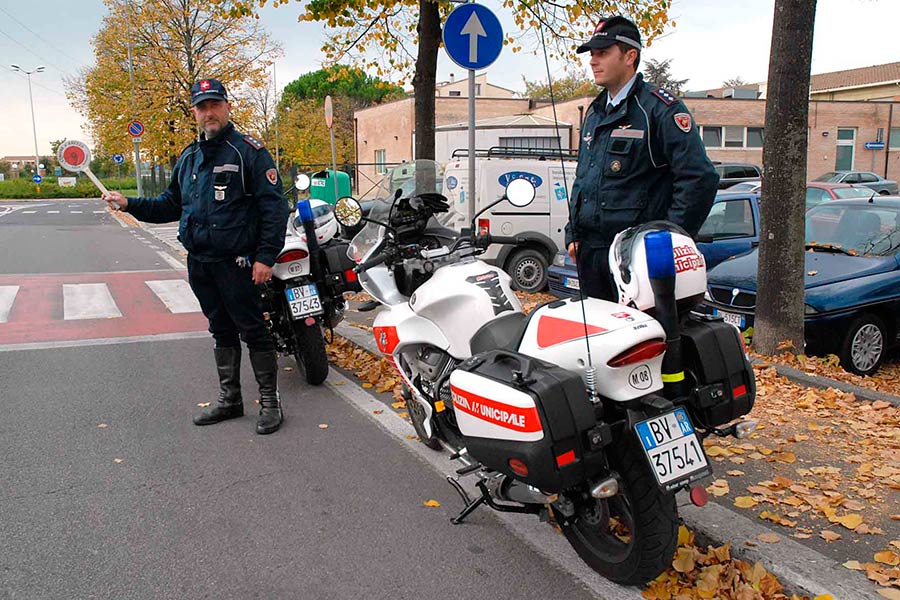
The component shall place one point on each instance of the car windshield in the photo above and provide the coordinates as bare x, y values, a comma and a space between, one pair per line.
403, 181
830, 176
851, 192
857, 229
745, 186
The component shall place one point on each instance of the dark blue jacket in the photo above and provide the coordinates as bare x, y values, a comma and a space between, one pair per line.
227, 194
643, 162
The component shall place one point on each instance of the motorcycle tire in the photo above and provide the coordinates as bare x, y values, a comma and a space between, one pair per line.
653, 527
309, 344
417, 417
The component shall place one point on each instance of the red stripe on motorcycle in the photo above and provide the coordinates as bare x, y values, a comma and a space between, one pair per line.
565, 459
387, 339
552, 331
739, 391
515, 418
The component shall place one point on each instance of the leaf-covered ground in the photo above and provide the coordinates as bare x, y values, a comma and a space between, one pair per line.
886, 379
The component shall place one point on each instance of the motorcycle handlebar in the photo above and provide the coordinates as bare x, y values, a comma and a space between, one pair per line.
487, 239
372, 262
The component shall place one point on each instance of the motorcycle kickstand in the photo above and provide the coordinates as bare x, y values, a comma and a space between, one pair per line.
471, 505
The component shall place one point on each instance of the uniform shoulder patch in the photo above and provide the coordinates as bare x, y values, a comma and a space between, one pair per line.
258, 145
666, 96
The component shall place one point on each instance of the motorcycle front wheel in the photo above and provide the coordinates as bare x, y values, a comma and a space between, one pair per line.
631, 537
309, 351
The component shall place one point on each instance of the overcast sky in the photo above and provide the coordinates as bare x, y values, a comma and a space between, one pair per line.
713, 40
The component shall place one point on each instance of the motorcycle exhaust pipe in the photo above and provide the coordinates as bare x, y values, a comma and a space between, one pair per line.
512, 490
661, 269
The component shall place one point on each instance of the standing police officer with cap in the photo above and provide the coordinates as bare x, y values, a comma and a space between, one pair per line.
226, 192
640, 158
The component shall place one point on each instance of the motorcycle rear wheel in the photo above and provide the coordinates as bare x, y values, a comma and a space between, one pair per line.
630, 538
309, 351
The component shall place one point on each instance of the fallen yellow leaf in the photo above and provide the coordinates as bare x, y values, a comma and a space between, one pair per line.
717, 451
745, 502
889, 593
853, 565
684, 560
102, 426
786, 457
829, 536
323, 426
892, 559
432, 503
203, 404
118, 460
824, 597
684, 535
769, 538
367, 385
851, 521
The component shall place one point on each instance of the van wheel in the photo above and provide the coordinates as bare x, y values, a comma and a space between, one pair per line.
528, 269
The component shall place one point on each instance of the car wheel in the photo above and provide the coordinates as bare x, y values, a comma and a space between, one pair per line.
528, 269
863, 347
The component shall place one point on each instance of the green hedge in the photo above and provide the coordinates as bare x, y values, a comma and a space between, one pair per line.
15, 189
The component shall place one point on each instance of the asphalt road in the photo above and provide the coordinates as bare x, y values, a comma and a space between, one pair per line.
107, 490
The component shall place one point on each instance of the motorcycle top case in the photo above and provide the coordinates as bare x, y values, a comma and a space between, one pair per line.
512, 406
725, 387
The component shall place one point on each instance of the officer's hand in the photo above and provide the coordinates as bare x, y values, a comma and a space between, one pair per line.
115, 200
573, 249
261, 273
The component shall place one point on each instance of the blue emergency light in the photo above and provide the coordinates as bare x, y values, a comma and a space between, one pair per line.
304, 211
660, 256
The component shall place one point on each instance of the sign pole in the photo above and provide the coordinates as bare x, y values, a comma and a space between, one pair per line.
471, 198
329, 120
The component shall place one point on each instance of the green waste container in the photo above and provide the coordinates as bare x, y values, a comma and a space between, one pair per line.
322, 185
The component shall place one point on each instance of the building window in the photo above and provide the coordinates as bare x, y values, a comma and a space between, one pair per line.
477, 89
712, 136
454, 93
894, 140
734, 137
542, 142
846, 148
755, 137
380, 162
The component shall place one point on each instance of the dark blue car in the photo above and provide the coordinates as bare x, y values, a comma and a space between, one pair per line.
731, 228
852, 282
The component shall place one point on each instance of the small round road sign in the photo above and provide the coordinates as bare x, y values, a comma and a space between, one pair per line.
136, 128
37, 178
118, 159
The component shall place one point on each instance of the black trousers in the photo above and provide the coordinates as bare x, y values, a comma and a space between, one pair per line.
230, 301
593, 272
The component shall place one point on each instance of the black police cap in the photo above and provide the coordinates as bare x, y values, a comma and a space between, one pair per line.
612, 31
208, 89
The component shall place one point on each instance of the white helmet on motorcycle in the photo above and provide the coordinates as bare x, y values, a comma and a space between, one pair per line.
325, 222
628, 263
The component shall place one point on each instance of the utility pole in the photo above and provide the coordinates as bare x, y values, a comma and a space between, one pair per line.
275, 100
37, 160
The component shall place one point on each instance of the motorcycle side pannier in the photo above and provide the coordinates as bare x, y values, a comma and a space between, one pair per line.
725, 387
336, 264
527, 418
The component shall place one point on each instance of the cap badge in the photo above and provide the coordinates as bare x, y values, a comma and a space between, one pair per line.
204, 85
272, 176
683, 120
615, 166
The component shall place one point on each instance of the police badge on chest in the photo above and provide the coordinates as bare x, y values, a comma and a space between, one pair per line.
220, 192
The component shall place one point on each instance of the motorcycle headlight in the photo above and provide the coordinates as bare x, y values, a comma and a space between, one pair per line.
559, 260
809, 310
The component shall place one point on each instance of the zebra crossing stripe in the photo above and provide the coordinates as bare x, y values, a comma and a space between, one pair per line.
88, 301
7, 297
176, 294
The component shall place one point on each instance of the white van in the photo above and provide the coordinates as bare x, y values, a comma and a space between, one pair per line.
542, 222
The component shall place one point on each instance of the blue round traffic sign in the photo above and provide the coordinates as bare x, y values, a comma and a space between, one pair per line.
37, 178
473, 36
118, 159
136, 128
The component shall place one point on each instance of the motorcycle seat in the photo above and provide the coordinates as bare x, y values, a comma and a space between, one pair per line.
504, 332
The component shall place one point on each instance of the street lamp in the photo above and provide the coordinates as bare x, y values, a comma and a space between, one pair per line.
37, 161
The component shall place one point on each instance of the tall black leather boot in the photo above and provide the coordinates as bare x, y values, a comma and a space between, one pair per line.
265, 368
230, 404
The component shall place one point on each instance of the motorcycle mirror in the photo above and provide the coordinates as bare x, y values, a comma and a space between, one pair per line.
302, 182
348, 212
520, 192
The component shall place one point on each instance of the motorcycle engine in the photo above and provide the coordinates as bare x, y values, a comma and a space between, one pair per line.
430, 366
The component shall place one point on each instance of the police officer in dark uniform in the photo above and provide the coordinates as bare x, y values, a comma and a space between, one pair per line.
226, 192
640, 158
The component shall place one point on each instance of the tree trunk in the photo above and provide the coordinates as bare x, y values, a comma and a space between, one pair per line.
779, 302
425, 79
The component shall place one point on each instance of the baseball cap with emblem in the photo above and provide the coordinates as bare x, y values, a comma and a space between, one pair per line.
208, 89
612, 31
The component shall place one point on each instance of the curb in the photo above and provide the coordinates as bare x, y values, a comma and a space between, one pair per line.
817, 381
799, 568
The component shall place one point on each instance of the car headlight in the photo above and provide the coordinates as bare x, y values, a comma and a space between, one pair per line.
559, 260
707, 296
809, 310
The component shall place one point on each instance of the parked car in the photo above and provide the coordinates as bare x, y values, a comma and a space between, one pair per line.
819, 191
852, 282
754, 185
731, 228
867, 178
732, 173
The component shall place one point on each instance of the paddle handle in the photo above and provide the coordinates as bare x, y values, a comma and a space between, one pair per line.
96, 181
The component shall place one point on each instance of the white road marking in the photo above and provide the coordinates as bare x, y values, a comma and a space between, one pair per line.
99, 212
52, 212
28, 212
88, 301
75, 212
7, 297
161, 337
171, 261
176, 294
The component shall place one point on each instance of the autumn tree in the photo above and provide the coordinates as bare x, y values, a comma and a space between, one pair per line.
658, 73
173, 44
779, 305
734, 82
565, 88
399, 39
304, 136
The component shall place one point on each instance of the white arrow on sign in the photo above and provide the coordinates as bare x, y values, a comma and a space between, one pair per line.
474, 29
